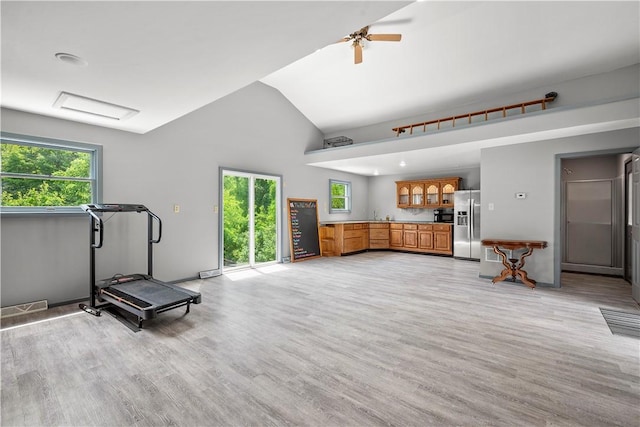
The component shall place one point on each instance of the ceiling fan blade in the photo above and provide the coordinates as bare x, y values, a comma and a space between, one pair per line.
344, 39
357, 50
384, 37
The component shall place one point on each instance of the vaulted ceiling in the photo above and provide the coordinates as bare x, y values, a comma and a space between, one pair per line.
164, 59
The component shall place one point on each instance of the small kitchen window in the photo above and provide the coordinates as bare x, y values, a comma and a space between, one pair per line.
340, 196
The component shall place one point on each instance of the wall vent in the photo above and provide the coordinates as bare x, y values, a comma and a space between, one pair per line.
17, 310
209, 273
491, 256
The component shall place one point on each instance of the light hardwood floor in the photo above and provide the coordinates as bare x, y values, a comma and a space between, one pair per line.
379, 338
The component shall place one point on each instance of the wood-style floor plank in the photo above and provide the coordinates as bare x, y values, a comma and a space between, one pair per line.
378, 338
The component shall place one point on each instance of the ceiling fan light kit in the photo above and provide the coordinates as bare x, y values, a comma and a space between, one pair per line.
359, 36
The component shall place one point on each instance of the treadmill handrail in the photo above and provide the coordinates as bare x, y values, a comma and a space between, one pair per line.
100, 229
157, 218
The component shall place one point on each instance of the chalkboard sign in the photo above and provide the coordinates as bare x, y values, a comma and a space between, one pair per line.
303, 229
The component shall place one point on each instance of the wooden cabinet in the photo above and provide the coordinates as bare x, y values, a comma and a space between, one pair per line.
426, 193
433, 194
442, 238
355, 238
425, 236
446, 191
403, 192
410, 236
327, 241
396, 240
417, 195
347, 238
379, 235
344, 238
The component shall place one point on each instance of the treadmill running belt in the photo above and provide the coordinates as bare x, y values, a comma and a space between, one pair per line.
151, 292
138, 303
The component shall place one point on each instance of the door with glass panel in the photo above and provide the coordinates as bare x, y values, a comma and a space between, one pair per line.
250, 217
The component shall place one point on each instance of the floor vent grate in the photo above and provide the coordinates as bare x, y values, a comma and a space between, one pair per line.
622, 323
17, 310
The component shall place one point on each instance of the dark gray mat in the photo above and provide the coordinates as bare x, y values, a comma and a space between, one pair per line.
622, 323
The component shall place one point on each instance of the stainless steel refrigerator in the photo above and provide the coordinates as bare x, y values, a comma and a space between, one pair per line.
466, 224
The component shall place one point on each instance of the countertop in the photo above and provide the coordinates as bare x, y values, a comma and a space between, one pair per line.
382, 222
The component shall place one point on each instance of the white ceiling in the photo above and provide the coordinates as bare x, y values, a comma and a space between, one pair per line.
167, 59
455, 53
163, 58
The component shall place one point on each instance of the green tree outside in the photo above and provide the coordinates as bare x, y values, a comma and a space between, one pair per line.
236, 220
52, 163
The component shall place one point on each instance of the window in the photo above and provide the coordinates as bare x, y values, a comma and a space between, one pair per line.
41, 175
340, 192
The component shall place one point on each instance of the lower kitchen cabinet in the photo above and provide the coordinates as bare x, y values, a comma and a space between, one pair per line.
442, 238
346, 238
425, 236
410, 236
379, 235
396, 240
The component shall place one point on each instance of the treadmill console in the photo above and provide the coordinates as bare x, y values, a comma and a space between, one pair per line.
114, 207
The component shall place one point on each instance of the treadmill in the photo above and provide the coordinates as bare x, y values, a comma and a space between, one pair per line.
139, 295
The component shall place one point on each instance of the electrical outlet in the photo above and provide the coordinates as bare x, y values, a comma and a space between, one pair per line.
176, 208
521, 195
215, 209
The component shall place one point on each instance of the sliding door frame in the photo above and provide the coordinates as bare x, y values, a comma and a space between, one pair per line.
279, 219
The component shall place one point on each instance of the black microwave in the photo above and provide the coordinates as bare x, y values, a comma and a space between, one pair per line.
439, 216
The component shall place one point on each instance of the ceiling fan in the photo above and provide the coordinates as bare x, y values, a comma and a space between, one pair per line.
359, 36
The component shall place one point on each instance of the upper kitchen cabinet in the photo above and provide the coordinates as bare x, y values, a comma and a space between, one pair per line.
403, 191
447, 188
427, 193
433, 194
417, 195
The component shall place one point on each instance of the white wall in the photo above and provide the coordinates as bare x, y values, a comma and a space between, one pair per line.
534, 168
586, 90
254, 129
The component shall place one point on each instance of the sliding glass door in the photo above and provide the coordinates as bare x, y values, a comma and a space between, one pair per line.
250, 217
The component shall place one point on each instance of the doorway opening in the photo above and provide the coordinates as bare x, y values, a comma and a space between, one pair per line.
593, 214
250, 219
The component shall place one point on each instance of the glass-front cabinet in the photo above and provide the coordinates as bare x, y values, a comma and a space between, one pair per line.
433, 194
427, 193
417, 195
447, 193
403, 192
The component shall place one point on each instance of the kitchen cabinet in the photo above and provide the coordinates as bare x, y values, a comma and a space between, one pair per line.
425, 236
433, 194
396, 240
327, 241
379, 235
403, 191
347, 238
417, 195
446, 191
344, 238
426, 193
442, 238
410, 236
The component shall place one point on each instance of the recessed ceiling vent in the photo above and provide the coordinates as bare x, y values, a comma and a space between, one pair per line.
82, 104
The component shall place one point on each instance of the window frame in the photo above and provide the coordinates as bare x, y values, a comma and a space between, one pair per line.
347, 197
95, 174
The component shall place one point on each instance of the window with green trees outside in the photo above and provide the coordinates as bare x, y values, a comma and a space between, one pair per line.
340, 192
43, 175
